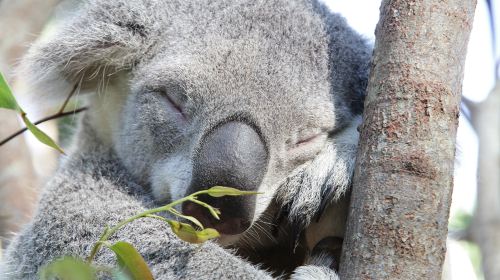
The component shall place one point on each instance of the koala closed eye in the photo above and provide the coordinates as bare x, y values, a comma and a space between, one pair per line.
175, 100
306, 146
174, 104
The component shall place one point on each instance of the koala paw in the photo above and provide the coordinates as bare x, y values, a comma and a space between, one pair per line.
310, 272
322, 261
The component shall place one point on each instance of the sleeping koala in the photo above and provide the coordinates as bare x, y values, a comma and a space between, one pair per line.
183, 95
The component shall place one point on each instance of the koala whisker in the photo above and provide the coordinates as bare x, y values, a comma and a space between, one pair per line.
248, 240
264, 231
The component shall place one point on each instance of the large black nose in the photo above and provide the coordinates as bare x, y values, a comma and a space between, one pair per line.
232, 155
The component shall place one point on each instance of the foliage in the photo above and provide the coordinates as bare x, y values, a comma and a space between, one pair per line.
460, 221
131, 265
8, 101
474, 253
68, 268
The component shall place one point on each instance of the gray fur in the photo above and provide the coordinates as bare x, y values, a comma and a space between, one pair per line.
316, 269
290, 68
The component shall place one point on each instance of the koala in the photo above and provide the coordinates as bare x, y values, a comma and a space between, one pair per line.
261, 96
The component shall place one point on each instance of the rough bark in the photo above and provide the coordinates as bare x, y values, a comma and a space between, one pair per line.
485, 228
20, 20
402, 184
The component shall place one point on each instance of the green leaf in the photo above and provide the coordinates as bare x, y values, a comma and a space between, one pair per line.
68, 268
193, 219
40, 135
214, 211
190, 218
120, 275
187, 233
7, 99
131, 261
219, 191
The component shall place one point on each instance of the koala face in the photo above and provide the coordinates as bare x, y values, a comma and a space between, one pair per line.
260, 96
234, 118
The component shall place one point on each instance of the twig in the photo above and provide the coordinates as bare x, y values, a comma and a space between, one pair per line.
67, 99
52, 117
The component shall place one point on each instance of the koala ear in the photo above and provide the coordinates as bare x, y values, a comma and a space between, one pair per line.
100, 40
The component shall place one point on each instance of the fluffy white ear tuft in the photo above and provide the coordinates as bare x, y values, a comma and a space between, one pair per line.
99, 41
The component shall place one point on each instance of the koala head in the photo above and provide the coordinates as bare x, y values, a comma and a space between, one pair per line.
256, 96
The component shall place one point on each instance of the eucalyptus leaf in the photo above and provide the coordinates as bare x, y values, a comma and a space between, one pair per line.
131, 261
190, 218
219, 191
40, 135
187, 233
68, 268
120, 275
214, 211
7, 99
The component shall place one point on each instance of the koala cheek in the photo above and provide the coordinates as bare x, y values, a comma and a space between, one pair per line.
263, 201
170, 178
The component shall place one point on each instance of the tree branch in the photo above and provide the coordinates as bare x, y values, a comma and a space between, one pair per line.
67, 99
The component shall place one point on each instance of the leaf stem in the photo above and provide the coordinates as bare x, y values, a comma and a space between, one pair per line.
108, 232
52, 117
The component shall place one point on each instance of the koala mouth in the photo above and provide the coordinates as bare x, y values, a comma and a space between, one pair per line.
228, 224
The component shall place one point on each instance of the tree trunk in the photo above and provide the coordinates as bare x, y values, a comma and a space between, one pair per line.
402, 185
20, 21
485, 227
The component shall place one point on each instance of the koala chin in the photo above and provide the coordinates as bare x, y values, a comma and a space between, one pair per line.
184, 95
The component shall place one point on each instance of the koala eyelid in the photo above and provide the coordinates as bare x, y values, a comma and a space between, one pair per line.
308, 139
176, 106
174, 102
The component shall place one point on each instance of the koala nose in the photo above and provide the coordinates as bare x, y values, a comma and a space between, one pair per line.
232, 155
